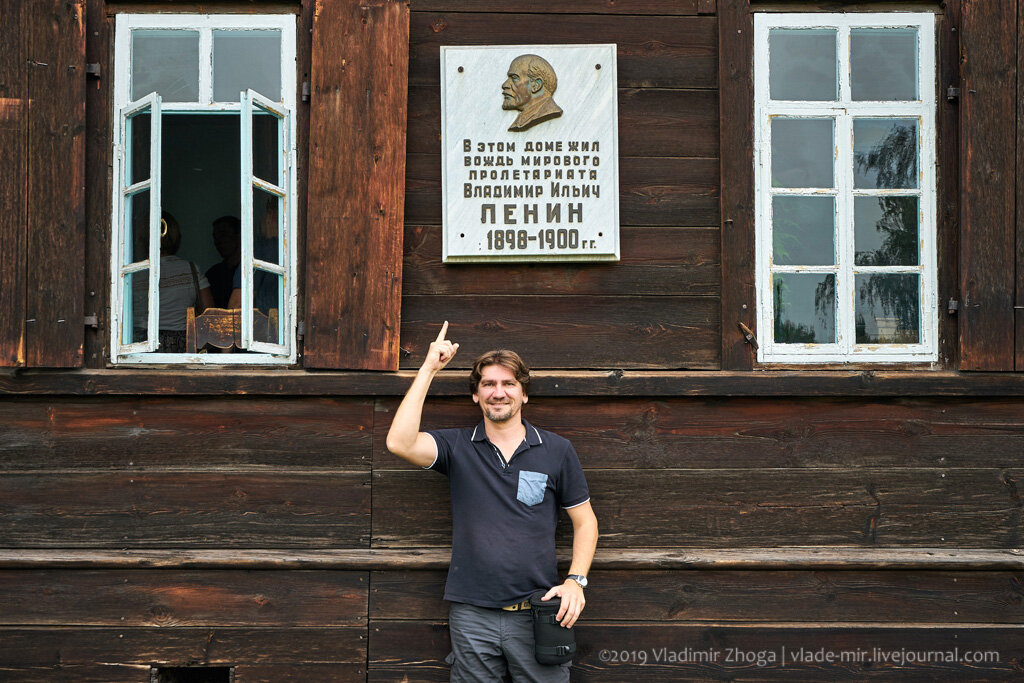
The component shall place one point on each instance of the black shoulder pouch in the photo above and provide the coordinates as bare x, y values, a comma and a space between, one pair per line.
552, 643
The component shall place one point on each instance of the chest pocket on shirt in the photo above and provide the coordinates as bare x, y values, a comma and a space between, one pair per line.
532, 486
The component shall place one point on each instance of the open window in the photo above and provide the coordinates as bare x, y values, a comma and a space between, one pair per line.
205, 199
845, 220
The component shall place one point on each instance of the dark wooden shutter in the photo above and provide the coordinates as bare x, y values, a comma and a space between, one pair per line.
42, 194
356, 184
987, 241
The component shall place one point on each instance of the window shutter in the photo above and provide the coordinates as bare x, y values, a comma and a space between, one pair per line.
42, 195
356, 184
987, 240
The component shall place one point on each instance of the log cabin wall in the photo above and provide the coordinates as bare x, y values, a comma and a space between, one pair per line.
254, 520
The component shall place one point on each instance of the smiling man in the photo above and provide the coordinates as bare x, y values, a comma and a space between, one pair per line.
529, 88
508, 480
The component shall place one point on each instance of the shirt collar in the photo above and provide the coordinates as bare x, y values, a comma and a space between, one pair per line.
532, 434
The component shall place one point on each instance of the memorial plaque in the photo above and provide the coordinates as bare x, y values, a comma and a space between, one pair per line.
529, 140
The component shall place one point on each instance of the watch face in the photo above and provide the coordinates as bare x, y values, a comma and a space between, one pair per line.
580, 579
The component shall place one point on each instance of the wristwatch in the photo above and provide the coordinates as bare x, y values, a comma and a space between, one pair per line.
578, 578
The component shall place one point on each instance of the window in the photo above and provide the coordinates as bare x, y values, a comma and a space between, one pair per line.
204, 140
845, 220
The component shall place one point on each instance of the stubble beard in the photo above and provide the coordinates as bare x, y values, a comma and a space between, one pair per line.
498, 417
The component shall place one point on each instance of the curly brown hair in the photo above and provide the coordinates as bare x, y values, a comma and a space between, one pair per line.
504, 358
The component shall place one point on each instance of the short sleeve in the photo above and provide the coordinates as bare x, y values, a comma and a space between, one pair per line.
572, 483
445, 440
236, 279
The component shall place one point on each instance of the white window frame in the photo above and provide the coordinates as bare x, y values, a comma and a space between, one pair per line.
843, 111
262, 353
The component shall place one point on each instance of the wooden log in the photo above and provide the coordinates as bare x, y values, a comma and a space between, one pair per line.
173, 598
731, 508
666, 191
85, 673
653, 122
299, 673
663, 331
657, 7
222, 434
653, 52
655, 261
184, 510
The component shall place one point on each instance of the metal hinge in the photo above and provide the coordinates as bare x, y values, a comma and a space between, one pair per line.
305, 91
300, 329
952, 93
953, 306
93, 69
91, 321
748, 334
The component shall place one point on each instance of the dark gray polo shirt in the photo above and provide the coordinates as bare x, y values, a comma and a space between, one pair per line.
504, 517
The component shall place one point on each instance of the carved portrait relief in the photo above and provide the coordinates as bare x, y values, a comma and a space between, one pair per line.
529, 89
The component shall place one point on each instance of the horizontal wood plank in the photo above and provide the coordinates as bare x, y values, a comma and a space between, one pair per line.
653, 122
300, 673
666, 7
635, 433
668, 191
748, 596
660, 52
219, 434
173, 598
189, 645
86, 673
873, 507
184, 510
655, 261
569, 331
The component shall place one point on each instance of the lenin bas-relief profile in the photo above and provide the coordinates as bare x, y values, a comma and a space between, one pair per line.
529, 88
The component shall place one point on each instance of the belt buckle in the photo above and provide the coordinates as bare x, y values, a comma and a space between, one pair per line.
525, 604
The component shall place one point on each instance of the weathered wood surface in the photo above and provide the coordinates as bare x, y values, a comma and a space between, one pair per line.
568, 331
749, 596
299, 673
416, 649
863, 383
184, 510
160, 597
653, 52
658, 261
85, 673
14, 98
637, 7
948, 182
736, 93
652, 122
987, 235
55, 184
427, 559
873, 507
219, 434
356, 185
638, 433
668, 191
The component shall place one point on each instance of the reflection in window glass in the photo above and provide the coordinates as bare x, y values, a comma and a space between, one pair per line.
883, 64
888, 309
138, 143
134, 327
266, 147
805, 308
802, 152
244, 60
268, 293
266, 223
802, 64
803, 230
136, 243
165, 61
885, 231
885, 153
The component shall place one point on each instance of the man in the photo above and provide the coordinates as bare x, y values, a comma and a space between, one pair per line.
227, 237
507, 480
528, 89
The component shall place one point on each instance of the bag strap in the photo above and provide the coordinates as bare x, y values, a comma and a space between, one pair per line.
195, 281
556, 651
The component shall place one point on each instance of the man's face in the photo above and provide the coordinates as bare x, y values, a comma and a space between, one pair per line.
226, 241
499, 394
516, 88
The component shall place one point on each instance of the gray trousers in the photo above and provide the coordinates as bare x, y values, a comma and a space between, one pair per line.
491, 645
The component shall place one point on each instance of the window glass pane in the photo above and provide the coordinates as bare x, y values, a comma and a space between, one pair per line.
803, 231
138, 147
136, 239
802, 64
885, 153
805, 308
266, 147
244, 60
883, 64
802, 152
168, 62
135, 317
267, 226
885, 231
888, 309
268, 293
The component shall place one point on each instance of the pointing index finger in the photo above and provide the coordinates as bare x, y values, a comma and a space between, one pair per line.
443, 332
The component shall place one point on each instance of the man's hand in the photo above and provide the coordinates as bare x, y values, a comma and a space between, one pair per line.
441, 351
573, 601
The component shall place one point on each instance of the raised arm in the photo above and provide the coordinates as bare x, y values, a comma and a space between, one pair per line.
405, 438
